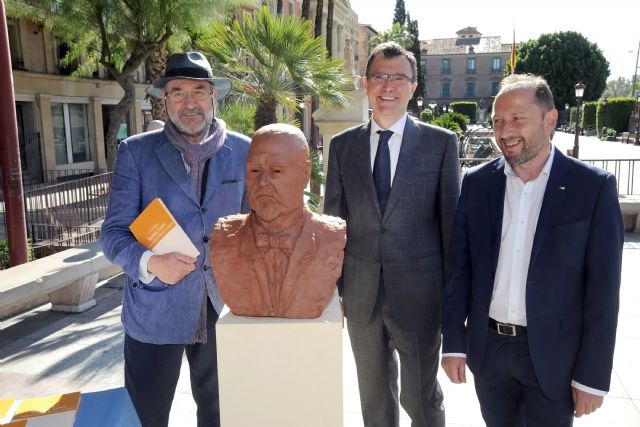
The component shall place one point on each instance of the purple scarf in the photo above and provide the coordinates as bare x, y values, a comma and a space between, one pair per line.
196, 155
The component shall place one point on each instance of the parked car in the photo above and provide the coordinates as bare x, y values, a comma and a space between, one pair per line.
478, 146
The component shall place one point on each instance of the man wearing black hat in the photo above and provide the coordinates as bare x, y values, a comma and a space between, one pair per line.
171, 300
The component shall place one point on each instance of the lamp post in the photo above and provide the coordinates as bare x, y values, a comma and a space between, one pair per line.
576, 142
419, 101
567, 115
604, 117
637, 142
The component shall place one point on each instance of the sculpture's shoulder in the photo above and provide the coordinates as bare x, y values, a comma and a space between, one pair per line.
330, 229
226, 231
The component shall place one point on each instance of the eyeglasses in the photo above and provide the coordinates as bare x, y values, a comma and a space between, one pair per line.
196, 95
395, 79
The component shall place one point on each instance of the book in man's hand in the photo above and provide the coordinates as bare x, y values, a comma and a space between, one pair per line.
50, 411
157, 230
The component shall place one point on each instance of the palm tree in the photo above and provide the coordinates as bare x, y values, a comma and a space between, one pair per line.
329, 28
398, 33
266, 57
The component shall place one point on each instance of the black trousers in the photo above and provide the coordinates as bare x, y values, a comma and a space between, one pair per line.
151, 374
376, 347
509, 392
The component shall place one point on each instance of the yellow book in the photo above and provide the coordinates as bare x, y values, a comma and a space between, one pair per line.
50, 411
6, 410
157, 230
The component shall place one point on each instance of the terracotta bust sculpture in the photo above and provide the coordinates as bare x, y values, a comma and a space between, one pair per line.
280, 260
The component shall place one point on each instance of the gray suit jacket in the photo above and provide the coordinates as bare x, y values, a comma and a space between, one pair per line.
409, 241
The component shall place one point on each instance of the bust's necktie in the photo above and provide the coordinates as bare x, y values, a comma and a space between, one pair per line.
382, 169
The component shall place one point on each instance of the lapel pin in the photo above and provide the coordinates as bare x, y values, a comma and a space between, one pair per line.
561, 188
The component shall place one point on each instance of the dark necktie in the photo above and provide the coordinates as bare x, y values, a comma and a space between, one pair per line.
382, 169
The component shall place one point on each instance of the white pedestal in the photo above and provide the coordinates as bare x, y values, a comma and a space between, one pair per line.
276, 372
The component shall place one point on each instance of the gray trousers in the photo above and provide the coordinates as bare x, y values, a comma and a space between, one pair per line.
376, 347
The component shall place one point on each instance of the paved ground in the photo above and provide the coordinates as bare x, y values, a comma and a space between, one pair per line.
45, 353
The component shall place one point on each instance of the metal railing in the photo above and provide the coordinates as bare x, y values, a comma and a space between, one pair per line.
626, 171
60, 216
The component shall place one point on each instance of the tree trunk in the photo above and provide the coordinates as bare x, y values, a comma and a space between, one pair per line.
306, 9
317, 30
158, 64
118, 116
265, 112
329, 37
279, 7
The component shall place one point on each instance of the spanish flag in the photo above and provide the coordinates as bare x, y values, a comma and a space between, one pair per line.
512, 59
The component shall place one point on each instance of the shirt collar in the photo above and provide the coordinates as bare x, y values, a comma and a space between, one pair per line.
546, 169
396, 128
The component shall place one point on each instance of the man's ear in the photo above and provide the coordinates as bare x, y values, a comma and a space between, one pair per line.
307, 172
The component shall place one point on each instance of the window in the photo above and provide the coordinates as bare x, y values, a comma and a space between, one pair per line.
70, 133
471, 65
446, 66
423, 65
17, 62
496, 64
471, 89
494, 88
445, 90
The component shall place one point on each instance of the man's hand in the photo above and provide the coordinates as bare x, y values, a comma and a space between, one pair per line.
455, 368
585, 403
172, 267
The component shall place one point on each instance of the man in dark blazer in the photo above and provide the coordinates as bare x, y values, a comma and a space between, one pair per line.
399, 213
532, 293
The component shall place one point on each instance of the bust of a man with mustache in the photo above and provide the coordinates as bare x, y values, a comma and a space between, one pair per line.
280, 260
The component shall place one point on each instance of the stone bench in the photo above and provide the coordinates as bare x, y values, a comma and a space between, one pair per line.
630, 207
67, 279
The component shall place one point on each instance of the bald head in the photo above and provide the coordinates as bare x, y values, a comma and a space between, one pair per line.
278, 171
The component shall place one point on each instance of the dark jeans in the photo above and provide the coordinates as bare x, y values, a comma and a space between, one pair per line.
151, 374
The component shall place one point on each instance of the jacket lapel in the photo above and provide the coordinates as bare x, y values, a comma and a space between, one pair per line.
554, 197
361, 163
495, 205
217, 165
411, 140
173, 164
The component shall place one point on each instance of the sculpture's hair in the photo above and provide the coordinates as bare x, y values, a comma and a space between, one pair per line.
283, 128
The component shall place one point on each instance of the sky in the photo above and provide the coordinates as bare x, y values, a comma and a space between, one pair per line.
609, 24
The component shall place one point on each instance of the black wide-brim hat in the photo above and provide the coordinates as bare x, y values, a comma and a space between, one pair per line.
191, 66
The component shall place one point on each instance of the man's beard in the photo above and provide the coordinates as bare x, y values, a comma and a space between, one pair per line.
530, 148
190, 130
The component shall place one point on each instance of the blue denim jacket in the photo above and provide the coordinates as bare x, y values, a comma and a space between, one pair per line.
148, 166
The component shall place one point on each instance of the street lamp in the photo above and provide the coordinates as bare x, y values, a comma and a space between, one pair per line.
419, 102
604, 117
637, 121
567, 115
433, 106
576, 143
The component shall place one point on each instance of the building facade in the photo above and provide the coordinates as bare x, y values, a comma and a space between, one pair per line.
62, 120
468, 67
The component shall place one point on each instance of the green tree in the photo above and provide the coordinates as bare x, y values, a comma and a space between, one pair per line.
267, 57
617, 88
329, 34
398, 33
412, 29
119, 34
399, 16
564, 59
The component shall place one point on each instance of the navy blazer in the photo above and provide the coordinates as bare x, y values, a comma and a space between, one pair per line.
148, 166
409, 240
573, 281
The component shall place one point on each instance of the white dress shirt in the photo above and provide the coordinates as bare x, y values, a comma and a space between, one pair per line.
522, 202
394, 142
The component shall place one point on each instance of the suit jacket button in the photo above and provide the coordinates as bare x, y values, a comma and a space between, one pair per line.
378, 259
204, 268
205, 239
484, 309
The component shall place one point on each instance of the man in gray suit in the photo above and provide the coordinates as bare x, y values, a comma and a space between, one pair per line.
396, 182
